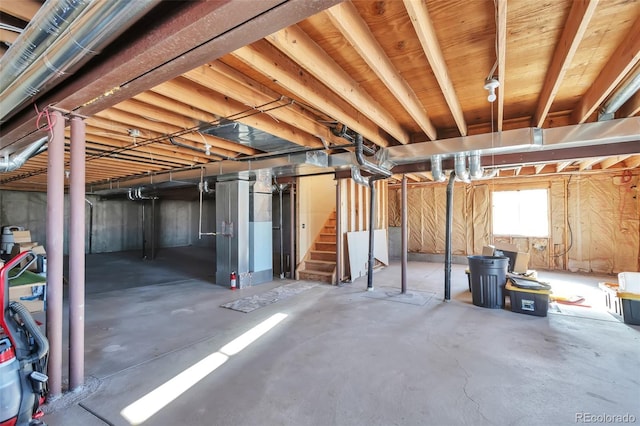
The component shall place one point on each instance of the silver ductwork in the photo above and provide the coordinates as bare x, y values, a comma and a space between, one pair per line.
460, 164
620, 97
366, 165
287, 165
475, 168
13, 162
358, 178
135, 194
436, 168
62, 37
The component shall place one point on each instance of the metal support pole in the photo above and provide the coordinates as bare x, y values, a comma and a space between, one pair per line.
338, 233
76, 254
144, 226
281, 233
449, 225
292, 232
372, 220
153, 228
55, 247
404, 232
90, 225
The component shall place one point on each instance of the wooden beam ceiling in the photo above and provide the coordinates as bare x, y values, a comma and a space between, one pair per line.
623, 60
299, 47
390, 71
22, 9
428, 39
346, 18
269, 61
574, 30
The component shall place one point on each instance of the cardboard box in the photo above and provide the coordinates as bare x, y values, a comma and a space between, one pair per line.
488, 250
521, 264
26, 291
21, 237
19, 248
506, 247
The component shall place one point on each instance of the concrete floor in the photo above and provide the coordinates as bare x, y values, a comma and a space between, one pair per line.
340, 357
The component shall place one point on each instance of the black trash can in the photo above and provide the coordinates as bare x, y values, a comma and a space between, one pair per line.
488, 276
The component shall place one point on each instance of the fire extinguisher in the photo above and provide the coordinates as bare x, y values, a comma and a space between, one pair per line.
233, 280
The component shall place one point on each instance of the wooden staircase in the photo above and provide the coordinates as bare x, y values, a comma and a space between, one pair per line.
319, 263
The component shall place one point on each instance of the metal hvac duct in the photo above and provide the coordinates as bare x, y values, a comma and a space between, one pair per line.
287, 165
15, 161
63, 36
461, 167
436, 168
475, 169
621, 96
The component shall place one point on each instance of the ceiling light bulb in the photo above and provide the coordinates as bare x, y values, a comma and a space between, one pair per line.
491, 85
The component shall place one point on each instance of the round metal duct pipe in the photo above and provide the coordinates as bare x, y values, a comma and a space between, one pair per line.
62, 37
475, 168
436, 168
461, 167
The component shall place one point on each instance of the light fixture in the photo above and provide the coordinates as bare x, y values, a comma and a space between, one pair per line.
491, 84
207, 149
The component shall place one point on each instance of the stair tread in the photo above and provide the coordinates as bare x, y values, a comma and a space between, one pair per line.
311, 271
327, 262
323, 251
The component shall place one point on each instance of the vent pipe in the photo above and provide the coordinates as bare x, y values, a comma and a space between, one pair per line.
475, 169
620, 97
366, 165
461, 167
436, 168
15, 161
62, 37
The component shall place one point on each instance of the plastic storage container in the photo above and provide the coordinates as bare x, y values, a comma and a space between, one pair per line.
629, 282
528, 301
488, 276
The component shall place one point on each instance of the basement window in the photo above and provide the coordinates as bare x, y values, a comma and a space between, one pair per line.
523, 213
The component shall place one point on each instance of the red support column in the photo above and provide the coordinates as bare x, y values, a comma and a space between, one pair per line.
76, 254
55, 238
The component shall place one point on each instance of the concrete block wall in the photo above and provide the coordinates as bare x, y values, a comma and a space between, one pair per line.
117, 223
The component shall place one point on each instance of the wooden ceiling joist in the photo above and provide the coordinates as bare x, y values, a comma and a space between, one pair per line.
7, 36
150, 113
563, 165
22, 9
574, 29
427, 35
249, 92
225, 106
299, 47
127, 115
114, 143
632, 162
345, 17
623, 60
589, 163
611, 161
266, 59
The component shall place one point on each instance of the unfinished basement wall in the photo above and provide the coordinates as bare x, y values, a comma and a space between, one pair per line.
594, 221
354, 213
117, 223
